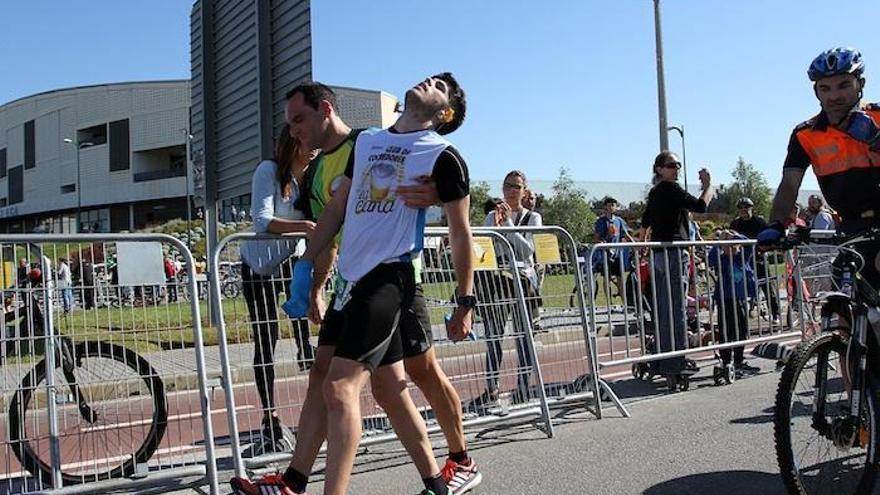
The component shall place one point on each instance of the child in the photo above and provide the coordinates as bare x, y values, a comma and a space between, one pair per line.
736, 284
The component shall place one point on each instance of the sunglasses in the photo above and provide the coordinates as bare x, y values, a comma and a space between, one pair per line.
508, 185
675, 165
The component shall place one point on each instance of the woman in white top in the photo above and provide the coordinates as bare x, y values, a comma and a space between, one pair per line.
498, 290
266, 264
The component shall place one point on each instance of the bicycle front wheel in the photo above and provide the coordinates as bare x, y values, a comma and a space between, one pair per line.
111, 414
809, 460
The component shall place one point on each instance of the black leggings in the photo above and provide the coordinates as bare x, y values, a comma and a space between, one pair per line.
496, 292
261, 295
734, 326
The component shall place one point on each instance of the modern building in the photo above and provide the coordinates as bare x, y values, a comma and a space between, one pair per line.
112, 155
116, 154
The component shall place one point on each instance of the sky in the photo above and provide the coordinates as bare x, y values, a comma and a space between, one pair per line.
552, 84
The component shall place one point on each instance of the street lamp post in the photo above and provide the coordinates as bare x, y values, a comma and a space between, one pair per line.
684, 168
189, 138
78, 145
661, 82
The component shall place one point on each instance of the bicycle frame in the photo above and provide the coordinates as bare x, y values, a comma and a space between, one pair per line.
848, 299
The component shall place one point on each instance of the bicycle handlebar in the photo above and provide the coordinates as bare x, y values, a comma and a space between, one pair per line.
805, 235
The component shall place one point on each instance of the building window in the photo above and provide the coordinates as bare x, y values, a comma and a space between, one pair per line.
94, 220
30, 150
236, 209
68, 188
120, 154
92, 136
2, 202
16, 185
3, 162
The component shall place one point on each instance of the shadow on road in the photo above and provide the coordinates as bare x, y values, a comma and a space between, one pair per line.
765, 418
721, 483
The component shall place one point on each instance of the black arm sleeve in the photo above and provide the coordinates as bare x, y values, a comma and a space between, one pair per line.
646, 215
685, 199
450, 173
797, 157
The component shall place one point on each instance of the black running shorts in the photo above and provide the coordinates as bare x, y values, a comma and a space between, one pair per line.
383, 320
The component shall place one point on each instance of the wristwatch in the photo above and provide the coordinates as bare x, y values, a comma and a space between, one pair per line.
469, 302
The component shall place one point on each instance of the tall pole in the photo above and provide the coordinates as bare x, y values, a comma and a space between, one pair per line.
684, 167
78, 190
661, 84
188, 137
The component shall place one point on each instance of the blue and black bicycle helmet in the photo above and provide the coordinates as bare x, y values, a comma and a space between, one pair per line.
835, 62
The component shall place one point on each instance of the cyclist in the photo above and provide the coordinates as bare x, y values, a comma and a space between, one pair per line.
842, 143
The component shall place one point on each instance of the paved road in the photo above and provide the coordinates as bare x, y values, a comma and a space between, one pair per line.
562, 360
710, 439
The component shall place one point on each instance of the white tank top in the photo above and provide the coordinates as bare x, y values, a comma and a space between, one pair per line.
379, 228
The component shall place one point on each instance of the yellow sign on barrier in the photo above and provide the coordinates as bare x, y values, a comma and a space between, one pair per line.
8, 274
484, 254
547, 248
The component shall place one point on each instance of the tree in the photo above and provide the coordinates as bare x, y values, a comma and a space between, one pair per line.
479, 196
569, 208
749, 182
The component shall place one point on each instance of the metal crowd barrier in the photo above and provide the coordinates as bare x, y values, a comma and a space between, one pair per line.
563, 336
467, 364
812, 275
643, 291
102, 375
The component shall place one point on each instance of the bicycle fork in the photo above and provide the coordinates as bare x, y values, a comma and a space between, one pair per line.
849, 429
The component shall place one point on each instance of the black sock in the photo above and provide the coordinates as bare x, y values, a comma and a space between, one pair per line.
459, 457
295, 480
436, 484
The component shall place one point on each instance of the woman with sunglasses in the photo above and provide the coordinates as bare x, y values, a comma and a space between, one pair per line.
666, 220
493, 287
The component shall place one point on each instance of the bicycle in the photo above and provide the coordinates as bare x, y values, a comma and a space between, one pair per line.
110, 402
826, 409
230, 279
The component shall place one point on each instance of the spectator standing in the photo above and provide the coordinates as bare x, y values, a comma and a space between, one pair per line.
736, 284
23, 271
492, 286
274, 190
821, 219
171, 278
65, 282
530, 200
86, 277
611, 228
750, 225
665, 220
795, 219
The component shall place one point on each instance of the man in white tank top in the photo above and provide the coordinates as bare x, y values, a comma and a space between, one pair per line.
381, 237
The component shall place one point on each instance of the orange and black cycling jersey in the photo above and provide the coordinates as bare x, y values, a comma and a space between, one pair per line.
847, 170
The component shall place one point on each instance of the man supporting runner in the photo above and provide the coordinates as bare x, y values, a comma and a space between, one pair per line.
311, 111
842, 143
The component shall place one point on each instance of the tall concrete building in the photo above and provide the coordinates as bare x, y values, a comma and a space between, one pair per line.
245, 56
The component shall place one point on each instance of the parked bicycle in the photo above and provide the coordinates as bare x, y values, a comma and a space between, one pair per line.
109, 401
826, 412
